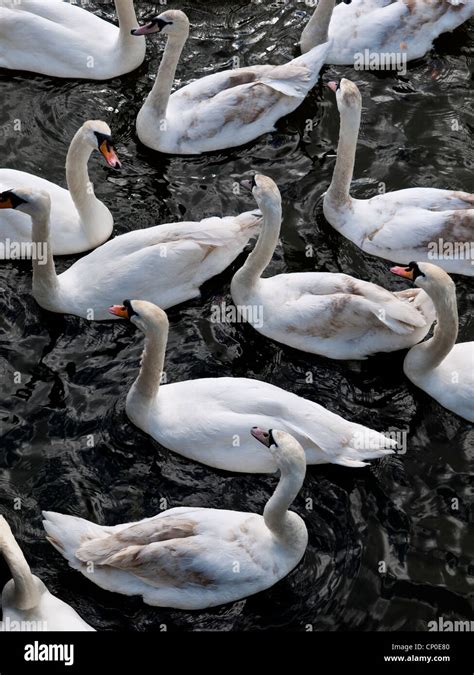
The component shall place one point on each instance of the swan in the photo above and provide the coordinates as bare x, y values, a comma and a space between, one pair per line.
26, 602
193, 558
56, 38
79, 221
362, 29
166, 263
206, 419
443, 369
323, 313
413, 224
222, 110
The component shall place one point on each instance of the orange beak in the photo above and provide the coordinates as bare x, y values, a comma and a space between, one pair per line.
402, 272
110, 155
5, 202
119, 310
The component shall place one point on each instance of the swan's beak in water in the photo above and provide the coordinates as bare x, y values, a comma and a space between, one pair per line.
108, 151
263, 436
119, 310
407, 273
333, 86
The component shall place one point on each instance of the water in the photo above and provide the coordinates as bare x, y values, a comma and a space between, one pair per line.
416, 130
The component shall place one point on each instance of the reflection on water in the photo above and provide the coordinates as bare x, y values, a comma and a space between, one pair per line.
75, 375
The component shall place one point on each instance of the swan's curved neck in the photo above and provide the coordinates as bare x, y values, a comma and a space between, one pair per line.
26, 594
261, 256
275, 513
80, 186
127, 19
430, 354
161, 91
316, 30
45, 280
339, 189
145, 388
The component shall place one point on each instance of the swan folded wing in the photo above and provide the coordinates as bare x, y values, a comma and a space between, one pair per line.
349, 316
412, 227
163, 559
138, 535
230, 109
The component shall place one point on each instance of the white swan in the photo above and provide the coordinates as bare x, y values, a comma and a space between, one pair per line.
166, 263
79, 221
206, 420
333, 315
222, 110
403, 28
56, 38
440, 367
193, 558
26, 602
411, 224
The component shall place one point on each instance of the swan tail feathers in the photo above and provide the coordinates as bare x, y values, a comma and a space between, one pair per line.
67, 533
299, 76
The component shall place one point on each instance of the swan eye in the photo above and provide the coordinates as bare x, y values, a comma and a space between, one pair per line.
272, 440
253, 183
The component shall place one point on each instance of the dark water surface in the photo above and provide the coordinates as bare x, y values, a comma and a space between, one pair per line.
416, 131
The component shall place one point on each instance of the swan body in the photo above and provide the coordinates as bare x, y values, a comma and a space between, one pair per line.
443, 369
26, 602
323, 313
410, 224
193, 558
79, 221
206, 419
221, 110
406, 28
166, 263
59, 39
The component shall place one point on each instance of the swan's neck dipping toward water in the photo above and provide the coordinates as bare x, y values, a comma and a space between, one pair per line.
339, 190
159, 96
316, 30
428, 355
127, 20
45, 280
145, 388
25, 594
262, 254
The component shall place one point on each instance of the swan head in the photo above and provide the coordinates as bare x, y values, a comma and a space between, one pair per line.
264, 190
173, 22
348, 96
427, 276
145, 315
287, 452
32, 202
97, 134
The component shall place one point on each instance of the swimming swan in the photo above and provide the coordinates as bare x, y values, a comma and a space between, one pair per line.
401, 225
222, 110
79, 221
323, 313
366, 29
207, 419
166, 263
193, 558
26, 602
443, 369
56, 38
